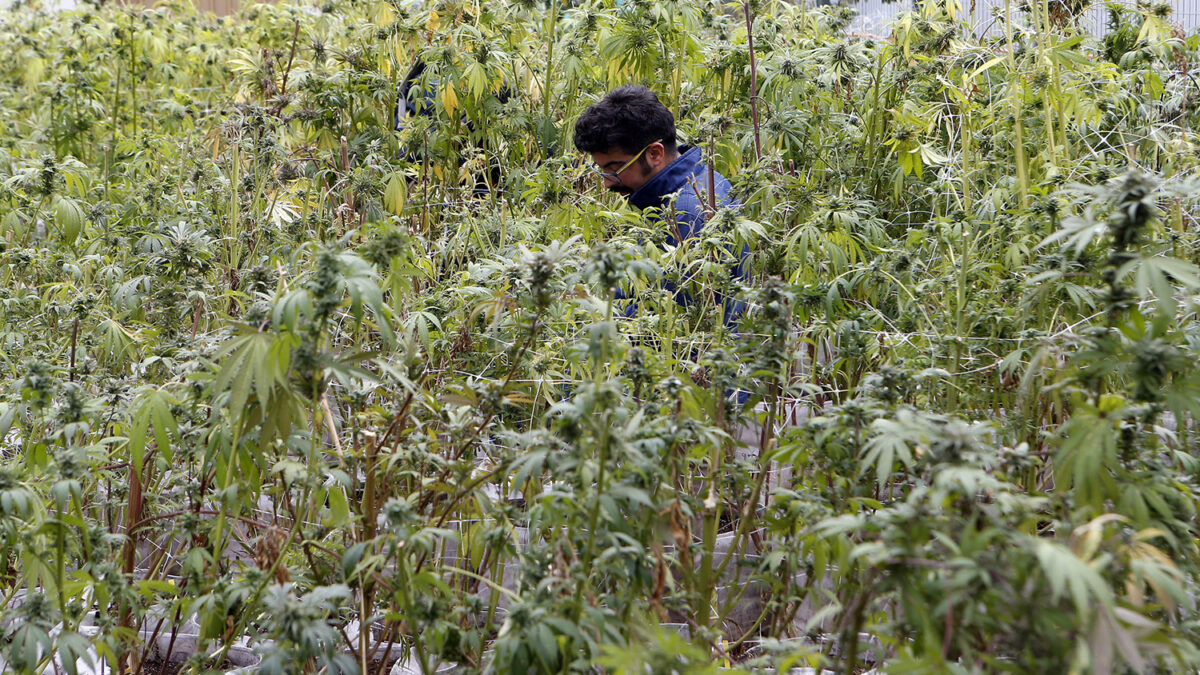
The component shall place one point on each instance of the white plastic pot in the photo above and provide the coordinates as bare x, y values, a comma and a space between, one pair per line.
406, 667
243, 659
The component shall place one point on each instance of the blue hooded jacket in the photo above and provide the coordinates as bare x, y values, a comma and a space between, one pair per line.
680, 192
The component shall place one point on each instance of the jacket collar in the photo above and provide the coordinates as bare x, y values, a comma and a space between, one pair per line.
668, 181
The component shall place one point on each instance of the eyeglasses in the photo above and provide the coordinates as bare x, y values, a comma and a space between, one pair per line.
616, 175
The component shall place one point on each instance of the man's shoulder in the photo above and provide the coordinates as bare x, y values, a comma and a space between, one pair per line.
694, 193
684, 186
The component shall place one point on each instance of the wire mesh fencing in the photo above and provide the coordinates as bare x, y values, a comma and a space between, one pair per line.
986, 17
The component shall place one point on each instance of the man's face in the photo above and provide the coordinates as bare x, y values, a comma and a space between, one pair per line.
623, 177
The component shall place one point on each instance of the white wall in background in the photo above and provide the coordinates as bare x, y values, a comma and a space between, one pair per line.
875, 15
49, 4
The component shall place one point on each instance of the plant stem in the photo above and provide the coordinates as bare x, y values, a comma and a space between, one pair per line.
753, 80
1016, 96
74, 341
548, 81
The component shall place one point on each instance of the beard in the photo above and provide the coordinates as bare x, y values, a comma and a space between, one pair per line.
621, 190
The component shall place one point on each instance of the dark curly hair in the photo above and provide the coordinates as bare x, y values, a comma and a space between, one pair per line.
629, 118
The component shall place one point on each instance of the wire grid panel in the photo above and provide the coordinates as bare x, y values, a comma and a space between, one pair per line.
986, 16
218, 7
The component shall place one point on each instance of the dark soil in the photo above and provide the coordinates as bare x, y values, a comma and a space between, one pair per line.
156, 666
380, 667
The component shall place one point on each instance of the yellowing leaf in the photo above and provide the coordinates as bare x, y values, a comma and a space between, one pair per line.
35, 70
449, 99
395, 194
384, 15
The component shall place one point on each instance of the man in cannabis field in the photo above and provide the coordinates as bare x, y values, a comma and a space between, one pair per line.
630, 135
